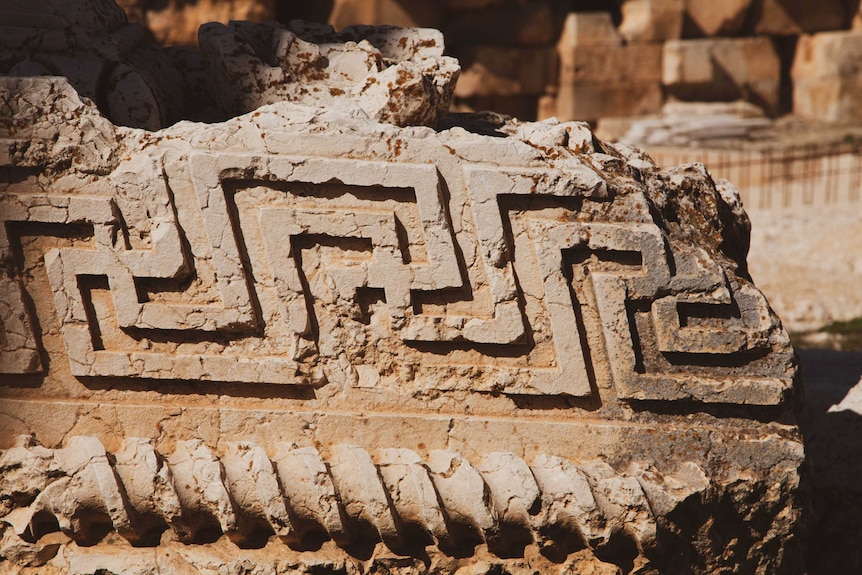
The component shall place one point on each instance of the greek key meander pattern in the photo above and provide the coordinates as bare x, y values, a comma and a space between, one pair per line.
409, 250
299, 495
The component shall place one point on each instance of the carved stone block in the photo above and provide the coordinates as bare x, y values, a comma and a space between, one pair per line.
301, 340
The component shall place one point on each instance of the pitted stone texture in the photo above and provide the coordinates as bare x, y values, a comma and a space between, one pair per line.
394, 75
585, 510
685, 275
351, 345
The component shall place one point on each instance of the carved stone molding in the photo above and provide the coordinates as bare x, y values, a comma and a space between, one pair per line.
300, 496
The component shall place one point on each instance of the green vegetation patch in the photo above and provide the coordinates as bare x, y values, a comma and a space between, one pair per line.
838, 335
845, 327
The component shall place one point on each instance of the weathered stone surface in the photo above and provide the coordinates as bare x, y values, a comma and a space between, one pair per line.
651, 20
104, 57
596, 218
827, 78
303, 340
556, 502
723, 69
394, 75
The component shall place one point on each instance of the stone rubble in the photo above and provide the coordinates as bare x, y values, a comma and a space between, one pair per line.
394, 75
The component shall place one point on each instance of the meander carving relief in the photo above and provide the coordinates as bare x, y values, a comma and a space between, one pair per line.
283, 268
302, 339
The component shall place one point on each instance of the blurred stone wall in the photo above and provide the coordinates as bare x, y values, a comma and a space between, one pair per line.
591, 59
176, 22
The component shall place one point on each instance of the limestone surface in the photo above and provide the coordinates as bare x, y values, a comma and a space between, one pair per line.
304, 340
394, 75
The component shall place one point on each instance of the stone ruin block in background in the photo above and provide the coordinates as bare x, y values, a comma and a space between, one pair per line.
303, 340
600, 76
505, 71
725, 18
723, 69
827, 79
176, 22
651, 20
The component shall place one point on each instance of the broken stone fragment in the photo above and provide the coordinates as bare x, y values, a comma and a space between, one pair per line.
394, 75
104, 57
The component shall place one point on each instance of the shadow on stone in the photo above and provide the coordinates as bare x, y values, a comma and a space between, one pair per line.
834, 448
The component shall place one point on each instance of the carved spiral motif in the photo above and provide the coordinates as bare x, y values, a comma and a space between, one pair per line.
348, 496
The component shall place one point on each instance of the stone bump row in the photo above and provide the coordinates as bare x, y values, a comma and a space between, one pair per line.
300, 495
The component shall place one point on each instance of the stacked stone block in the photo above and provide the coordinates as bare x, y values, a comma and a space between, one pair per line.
599, 59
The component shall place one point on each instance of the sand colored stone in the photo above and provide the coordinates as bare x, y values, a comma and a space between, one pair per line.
723, 69
651, 20
303, 339
826, 77
600, 76
726, 18
790, 17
